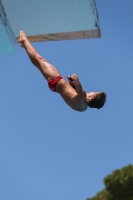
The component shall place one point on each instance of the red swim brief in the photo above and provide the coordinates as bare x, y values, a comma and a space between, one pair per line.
52, 83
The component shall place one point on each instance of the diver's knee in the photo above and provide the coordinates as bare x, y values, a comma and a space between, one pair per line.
38, 57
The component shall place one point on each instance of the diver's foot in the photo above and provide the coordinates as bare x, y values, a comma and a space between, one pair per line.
23, 39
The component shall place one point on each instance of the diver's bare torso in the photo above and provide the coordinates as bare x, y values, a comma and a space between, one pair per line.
70, 96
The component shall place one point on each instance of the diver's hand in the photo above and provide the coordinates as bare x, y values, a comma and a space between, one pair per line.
71, 81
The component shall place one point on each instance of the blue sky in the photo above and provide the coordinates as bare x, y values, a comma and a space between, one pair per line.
47, 150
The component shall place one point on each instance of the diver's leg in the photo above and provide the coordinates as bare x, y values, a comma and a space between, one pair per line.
48, 70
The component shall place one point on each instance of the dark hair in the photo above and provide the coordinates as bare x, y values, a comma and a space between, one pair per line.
98, 101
